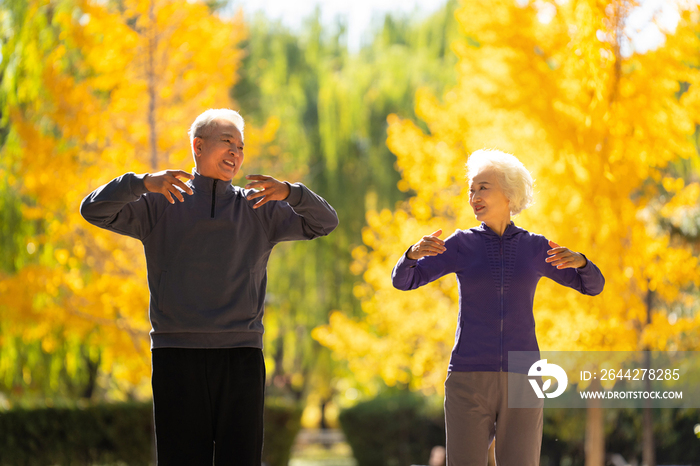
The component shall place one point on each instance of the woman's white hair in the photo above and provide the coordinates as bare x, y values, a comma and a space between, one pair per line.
205, 122
513, 178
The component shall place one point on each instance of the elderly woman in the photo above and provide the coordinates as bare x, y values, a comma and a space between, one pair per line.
498, 266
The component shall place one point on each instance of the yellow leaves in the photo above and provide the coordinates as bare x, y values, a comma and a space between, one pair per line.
685, 196
83, 120
32, 213
270, 129
370, 353
258, 140
79, 250
403, 336
596, 134
61, 256
421, 210
49, 344
360, 258
672, 333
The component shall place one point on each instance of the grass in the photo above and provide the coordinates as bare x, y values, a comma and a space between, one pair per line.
339, 454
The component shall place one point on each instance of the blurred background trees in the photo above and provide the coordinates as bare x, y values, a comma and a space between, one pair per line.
608, 127
332, 108
610, 136
611, 139
89, 91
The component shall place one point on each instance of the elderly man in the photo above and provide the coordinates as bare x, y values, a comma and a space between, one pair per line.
207, 244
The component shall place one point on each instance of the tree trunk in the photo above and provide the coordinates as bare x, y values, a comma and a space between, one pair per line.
594, 447
648, 448
92, 368
152, 45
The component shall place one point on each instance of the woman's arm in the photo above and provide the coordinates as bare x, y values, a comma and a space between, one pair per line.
426, 261
573, 269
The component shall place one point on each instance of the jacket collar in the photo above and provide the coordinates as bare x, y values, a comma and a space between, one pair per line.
511, 230
206, 185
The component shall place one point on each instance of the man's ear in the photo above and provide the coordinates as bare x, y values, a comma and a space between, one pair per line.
197, 146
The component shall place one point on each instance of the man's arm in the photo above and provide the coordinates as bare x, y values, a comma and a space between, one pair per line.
303, 214
121, 207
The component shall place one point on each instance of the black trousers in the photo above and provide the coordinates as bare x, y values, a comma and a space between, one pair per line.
208, 406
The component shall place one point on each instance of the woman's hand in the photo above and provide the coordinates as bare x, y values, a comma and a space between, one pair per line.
564, 258
430, 245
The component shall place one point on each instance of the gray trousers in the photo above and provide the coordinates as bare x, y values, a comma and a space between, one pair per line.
476, 411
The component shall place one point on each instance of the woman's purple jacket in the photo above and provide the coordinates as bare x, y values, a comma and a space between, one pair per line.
497, 278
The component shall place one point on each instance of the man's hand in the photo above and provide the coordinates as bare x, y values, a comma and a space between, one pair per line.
268, 188
165, 182
564, 258
429, 245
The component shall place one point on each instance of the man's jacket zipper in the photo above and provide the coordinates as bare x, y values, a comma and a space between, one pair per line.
213, 199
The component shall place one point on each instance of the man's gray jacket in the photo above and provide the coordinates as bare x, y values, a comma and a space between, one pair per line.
206, 256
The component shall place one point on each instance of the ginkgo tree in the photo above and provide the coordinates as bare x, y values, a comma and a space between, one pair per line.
93, 90
599, 126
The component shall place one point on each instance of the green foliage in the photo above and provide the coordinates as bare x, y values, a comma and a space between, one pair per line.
282, 424
401, 429
20, 85
332, 108
393, 430
564, 431
66, 373
562, 437
675, 440
112, 433
65, 436
13, 235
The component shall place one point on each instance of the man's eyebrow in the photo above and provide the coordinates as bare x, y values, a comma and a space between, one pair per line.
229, 135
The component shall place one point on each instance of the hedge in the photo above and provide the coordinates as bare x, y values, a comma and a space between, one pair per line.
102, 434
282, 424
392, 430
113, 433
674, 437
400, 429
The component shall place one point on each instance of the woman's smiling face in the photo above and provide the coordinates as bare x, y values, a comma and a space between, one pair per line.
488, 200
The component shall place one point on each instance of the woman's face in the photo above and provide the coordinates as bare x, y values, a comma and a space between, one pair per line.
486, 197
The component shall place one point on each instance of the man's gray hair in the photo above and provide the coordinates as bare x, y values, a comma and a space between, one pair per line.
205, 122
513, 178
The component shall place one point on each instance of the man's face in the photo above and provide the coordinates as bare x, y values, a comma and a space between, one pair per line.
219, 154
